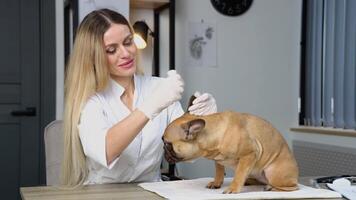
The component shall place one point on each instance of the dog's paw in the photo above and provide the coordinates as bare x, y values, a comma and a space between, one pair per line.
213, 185
231, 190
268, 188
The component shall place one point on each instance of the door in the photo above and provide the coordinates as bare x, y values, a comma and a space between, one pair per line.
19, 96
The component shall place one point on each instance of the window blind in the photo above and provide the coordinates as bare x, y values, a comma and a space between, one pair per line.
330, 64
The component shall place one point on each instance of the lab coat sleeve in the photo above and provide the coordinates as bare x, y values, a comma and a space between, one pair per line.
93, 127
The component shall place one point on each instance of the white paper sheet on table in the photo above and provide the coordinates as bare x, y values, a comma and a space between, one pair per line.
195, 189
344, 187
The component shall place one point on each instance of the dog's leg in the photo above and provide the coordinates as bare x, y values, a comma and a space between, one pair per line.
219, 177
282, 174
253, 181
242, 171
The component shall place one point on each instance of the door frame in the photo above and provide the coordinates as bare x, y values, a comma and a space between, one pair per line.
47, 110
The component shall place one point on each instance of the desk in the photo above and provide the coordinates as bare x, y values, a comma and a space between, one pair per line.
105, 191
90, 192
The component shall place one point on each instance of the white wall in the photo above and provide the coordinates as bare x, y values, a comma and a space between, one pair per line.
164, 43
257, 64
85, 7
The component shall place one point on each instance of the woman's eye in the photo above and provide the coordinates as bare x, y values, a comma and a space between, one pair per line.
128, 42
111, 50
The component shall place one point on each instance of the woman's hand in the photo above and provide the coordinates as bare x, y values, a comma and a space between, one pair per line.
165, 92
204, 104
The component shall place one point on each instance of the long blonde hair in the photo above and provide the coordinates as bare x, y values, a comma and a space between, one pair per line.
87, 73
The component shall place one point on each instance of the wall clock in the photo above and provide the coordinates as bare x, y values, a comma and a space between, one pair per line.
231, 7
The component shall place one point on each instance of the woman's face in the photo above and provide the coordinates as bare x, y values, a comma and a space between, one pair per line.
120, 51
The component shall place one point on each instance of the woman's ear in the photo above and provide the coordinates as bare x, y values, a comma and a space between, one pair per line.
190, 103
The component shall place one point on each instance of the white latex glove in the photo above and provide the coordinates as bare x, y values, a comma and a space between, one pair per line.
204, 104
165, 92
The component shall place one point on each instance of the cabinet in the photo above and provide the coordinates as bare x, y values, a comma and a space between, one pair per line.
158, 6
148, 4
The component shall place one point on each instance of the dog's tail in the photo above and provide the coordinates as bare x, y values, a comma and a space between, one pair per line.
291, 187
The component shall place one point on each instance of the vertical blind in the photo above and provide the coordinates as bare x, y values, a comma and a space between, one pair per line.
330, 63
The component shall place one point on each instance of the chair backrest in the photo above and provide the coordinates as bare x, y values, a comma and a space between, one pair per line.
53, 139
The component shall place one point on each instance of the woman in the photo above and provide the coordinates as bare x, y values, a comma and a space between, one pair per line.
114, 118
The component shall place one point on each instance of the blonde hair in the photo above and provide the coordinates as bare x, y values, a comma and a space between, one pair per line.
87, 73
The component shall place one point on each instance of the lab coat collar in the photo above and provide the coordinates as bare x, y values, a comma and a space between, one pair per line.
115, 91
118, 90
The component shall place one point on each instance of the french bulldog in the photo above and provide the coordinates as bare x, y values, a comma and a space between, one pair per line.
248, 144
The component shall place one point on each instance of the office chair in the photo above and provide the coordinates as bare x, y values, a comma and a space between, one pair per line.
53, 140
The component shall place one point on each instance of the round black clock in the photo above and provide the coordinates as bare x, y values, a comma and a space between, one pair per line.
231, 7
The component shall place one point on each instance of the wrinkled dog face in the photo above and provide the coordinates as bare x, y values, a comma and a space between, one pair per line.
180, 140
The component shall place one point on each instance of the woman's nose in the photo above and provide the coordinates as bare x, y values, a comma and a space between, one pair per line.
124, 52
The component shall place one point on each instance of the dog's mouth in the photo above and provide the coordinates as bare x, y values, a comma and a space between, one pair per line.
169, 153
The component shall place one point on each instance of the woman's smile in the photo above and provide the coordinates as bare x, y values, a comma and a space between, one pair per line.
127, 65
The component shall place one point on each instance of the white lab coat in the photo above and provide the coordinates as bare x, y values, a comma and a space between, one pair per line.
141, 160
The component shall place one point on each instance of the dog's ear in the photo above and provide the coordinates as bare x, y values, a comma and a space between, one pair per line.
191, 99
192, 128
